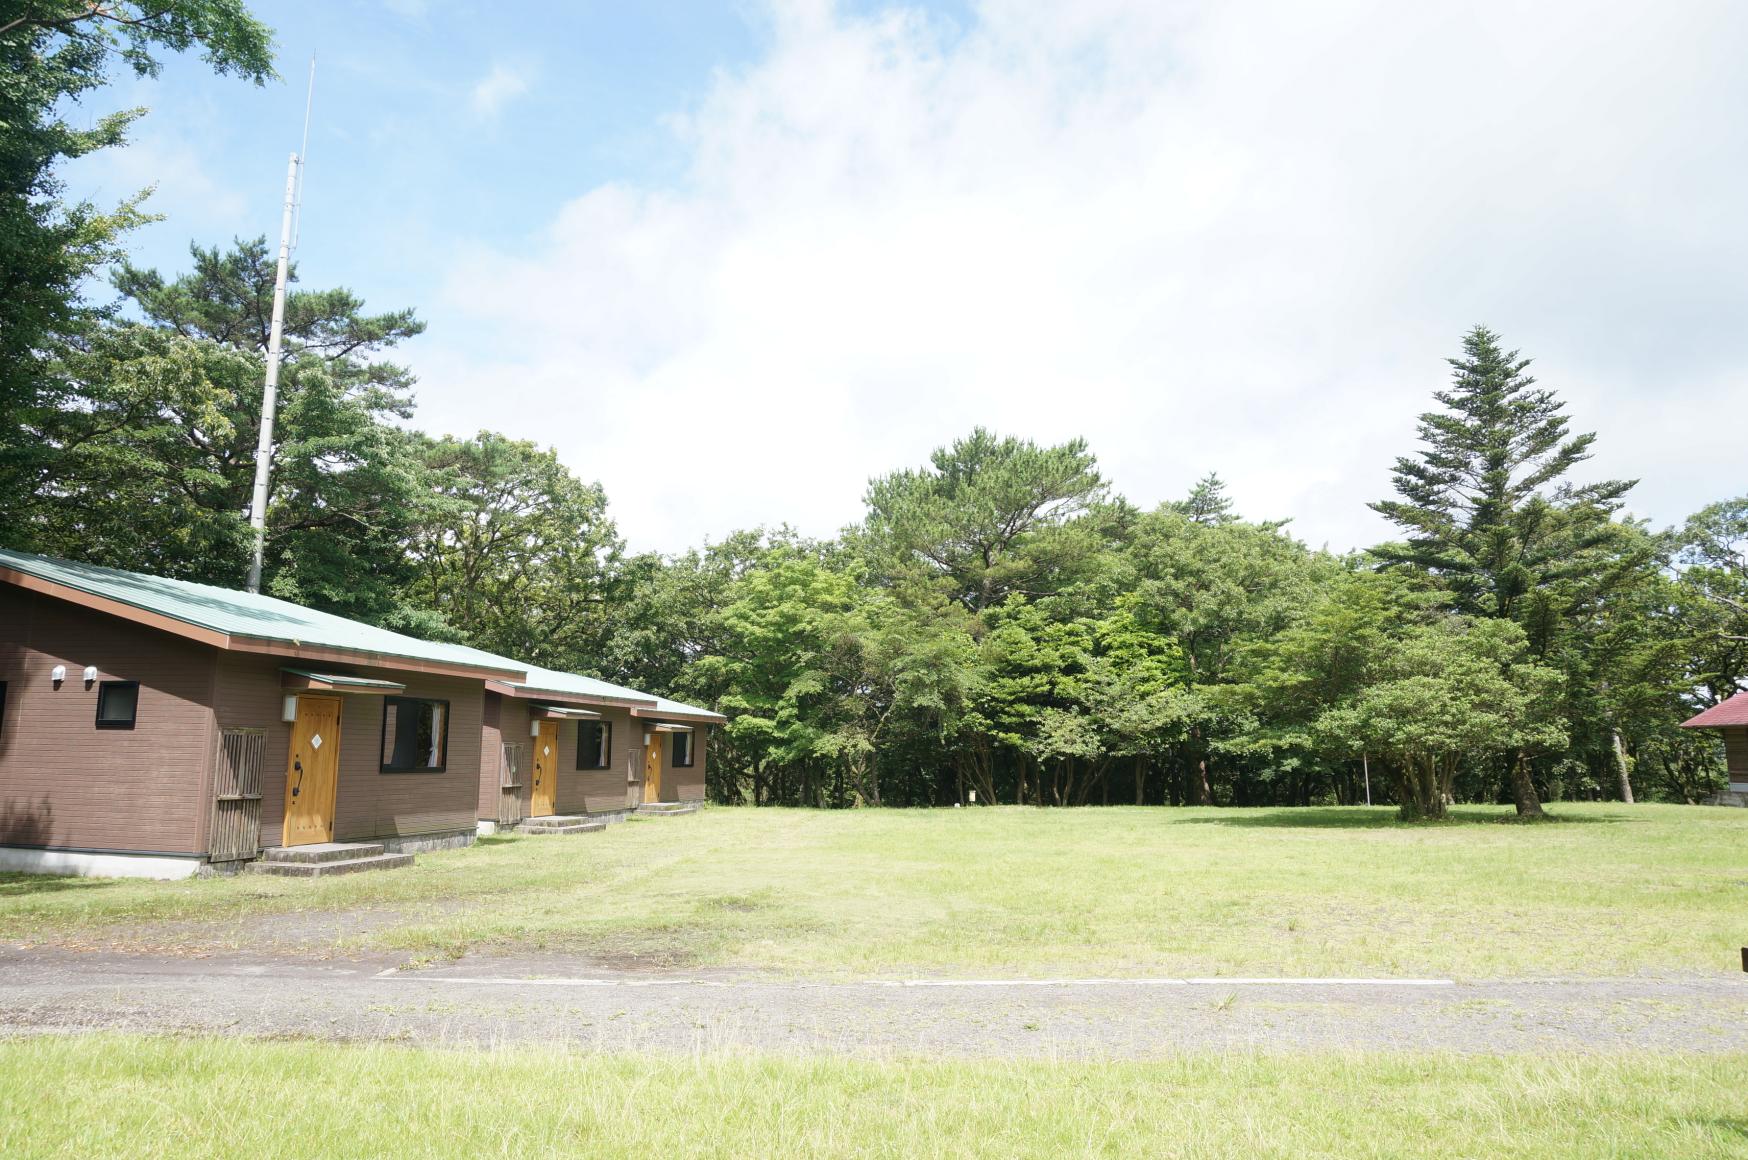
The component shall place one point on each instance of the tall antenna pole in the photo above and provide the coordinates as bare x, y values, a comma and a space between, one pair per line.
275, 341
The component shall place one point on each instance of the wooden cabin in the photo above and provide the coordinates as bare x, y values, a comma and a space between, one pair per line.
561, 745
153, 727
1730, 718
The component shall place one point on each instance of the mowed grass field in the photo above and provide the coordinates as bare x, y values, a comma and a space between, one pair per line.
1606, 889
108, 1096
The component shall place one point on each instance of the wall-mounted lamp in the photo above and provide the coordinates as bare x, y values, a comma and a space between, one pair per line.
534, 727
58, 674
288, 710
90, 675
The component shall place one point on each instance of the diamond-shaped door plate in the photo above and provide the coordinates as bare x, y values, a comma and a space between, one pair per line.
546, 751
316, 741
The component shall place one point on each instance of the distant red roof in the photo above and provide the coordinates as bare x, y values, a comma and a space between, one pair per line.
1731, 712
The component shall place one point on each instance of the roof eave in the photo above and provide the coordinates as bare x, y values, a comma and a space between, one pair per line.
530, 693
562, 713
1730, 713
659, 714
248, 644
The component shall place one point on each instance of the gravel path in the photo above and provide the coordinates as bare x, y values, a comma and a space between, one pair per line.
487, 1001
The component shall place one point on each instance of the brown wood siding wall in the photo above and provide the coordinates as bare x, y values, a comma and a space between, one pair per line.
595, 791
686, 785
1736, 755
66, 783
490, 754
506, 721
369, 803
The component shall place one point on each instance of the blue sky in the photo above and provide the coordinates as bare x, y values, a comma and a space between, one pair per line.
732, 259
434, 124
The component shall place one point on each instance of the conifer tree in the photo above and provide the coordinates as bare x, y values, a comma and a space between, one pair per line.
1490, 513
1207, 502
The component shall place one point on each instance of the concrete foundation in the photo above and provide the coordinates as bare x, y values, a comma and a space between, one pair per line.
98, 864
425, 843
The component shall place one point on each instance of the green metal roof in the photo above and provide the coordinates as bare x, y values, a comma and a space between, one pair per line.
574, 684
250, 615
665, 705
541, 680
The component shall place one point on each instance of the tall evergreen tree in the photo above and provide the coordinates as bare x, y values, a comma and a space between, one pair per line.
53, 55
153, 425
994, 517
1490, 513
1207, 502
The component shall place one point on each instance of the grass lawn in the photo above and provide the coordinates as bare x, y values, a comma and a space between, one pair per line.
1605, 890
110, 1096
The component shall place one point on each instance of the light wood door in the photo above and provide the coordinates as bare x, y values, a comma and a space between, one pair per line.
312, 774
543, 794
652, 769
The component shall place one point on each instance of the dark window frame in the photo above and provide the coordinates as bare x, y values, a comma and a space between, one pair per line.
3, 708
103, 688
607, 762
382, 741
691, 749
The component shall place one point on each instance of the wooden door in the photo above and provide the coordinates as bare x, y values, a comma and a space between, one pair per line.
543, 796
652, 769
312, 774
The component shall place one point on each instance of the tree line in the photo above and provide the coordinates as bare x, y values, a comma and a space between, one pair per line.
1000, 625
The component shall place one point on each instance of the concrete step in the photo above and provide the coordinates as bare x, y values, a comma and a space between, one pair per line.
326, 869
665, 808
323, 852
560, 824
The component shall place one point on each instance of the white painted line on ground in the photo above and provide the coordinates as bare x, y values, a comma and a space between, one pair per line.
416, 977
1215, 982
1322, 982
1032, 983
488, 980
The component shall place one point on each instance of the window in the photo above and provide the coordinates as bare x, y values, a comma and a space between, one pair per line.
594, 744
415, 735
117, 704
2, 707
681, 753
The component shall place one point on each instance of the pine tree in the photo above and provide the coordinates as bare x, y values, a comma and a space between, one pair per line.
1489, 512
1207, 502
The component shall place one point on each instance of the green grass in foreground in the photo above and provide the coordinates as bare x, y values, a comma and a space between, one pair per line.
107, 1096
1606, 890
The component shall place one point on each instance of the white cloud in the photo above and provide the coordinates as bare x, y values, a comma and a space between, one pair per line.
183, 187
1206, 236
503, 84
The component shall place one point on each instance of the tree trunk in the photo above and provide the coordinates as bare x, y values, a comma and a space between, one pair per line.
1523, 789
1421, 788
1621, 767
1140, 779
1204, 792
